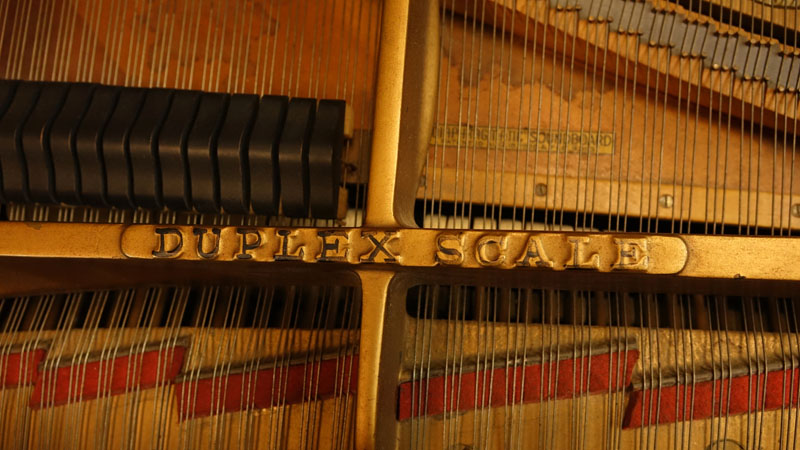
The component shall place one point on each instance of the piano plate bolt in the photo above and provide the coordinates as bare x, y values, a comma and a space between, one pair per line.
796, 210
540, 189
666, 201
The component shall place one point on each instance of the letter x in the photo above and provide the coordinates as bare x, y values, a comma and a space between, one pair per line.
379, 247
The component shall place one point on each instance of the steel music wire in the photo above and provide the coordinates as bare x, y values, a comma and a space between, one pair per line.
551, 213
219, 333
679, 163
688, 345
449, 203
220, 46
230, 46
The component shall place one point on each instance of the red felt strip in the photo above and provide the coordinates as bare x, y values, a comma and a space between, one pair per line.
106, 377
266, 387
502, 386
19, 369
670, 404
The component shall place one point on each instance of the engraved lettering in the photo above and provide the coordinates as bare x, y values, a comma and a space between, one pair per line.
578, 258
330, 250
200, 232
246, 243
534, 252
162, 251
787, 4
379, 246
444, 248
284, 254
450, 255
490, 250
632, 254
527, 139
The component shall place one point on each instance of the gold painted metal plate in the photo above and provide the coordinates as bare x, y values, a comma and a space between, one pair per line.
404, 109
683, 255
401, 247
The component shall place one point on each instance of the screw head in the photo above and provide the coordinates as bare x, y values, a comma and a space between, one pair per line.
666, 201
725, 444
796, 210
540, 189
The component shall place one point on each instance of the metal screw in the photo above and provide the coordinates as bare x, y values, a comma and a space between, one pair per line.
540, 189
725, 444
796, 210
666, 201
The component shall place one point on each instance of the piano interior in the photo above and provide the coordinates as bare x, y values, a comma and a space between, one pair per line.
380, 224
